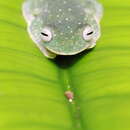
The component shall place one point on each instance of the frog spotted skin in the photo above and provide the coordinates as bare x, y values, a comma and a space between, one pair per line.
65, 22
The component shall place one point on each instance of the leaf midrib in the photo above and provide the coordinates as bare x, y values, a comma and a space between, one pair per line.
66, 83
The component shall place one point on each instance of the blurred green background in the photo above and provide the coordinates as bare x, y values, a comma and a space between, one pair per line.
32, 87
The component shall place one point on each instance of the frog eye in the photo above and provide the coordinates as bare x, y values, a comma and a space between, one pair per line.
46, 35
88, 33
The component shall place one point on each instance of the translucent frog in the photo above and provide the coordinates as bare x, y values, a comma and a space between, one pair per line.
63, 27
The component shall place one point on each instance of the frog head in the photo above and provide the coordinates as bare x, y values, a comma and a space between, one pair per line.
66, 30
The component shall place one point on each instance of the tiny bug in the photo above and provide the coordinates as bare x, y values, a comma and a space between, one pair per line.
69, 95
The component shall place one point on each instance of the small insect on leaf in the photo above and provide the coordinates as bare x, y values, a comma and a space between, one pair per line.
69, 95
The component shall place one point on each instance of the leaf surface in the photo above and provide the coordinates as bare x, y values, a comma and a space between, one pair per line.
32, 87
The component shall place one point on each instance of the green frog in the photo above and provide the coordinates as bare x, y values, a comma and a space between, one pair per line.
63, 27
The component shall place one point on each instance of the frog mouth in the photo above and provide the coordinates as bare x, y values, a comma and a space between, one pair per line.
65, 53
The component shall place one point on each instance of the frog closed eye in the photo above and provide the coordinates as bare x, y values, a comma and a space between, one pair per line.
88, 33
46, 34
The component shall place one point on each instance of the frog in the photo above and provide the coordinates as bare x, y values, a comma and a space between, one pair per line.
63, 27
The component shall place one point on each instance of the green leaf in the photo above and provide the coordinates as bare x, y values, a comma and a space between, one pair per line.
32, 87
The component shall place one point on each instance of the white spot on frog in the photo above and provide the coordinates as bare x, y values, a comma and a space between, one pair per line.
58, 16
46, 11
55, 35
60, 10
60, 21
69, 9
64, 2
66, 38
71, 32
61, 33
67, 19
37, 11
68, 27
